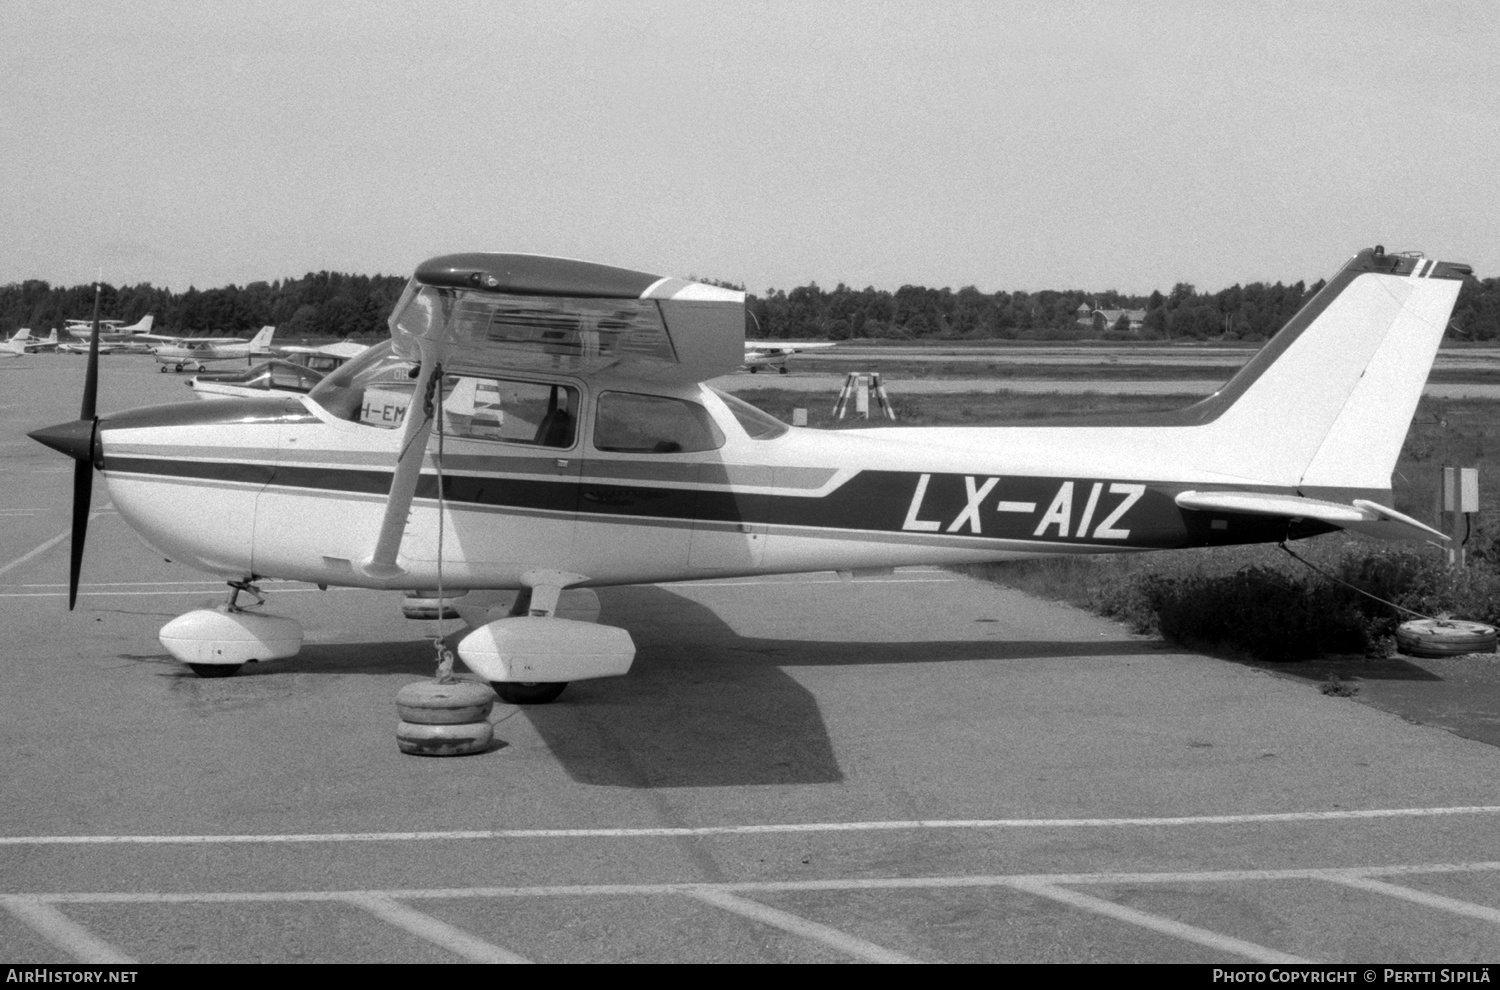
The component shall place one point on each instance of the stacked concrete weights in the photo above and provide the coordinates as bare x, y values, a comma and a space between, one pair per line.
444, 718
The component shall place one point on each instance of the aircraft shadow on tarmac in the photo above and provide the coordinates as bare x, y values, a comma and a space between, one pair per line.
706, 707
702, 706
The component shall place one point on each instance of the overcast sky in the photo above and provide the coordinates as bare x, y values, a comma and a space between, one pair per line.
1007, 145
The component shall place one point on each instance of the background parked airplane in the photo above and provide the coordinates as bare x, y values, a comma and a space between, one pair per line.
196, 352
30, 344
110, 331
296, 373
764, 354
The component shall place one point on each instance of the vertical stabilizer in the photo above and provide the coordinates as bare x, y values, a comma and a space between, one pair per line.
1328, 401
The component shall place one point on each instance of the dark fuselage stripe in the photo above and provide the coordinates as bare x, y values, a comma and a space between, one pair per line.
1072, 512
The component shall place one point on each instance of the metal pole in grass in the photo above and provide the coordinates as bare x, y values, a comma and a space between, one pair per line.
1460, 492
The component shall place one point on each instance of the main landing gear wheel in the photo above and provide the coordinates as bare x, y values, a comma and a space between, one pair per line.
162, 369
528, 692
215, 669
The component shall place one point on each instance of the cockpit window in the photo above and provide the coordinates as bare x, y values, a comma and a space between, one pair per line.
759, 424
376, 388
513, 411
631, 423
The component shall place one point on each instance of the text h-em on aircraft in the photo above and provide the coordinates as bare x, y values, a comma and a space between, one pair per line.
536, 427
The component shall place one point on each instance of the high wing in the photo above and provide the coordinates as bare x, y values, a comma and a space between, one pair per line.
160, 338
523, 312
343, 349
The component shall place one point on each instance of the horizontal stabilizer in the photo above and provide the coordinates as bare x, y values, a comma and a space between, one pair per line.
1363, 517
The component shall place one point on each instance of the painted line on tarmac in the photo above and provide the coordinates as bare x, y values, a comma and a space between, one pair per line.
1017, 880
197, 583
1449, 904
63, 932
425, 926
36, 552
791, 828
140, 594
788, 922
1156, 923
51, 543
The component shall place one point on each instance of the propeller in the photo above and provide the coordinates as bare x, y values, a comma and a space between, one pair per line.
76, 439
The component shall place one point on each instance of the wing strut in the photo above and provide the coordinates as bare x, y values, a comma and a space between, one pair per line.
415, 430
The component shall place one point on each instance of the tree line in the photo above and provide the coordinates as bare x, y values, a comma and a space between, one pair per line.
335, 305
319, 304
1240, 312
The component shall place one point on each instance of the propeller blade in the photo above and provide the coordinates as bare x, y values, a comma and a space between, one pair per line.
83, 493
76, 439
91, 376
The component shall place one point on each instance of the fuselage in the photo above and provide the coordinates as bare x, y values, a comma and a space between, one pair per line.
646, 483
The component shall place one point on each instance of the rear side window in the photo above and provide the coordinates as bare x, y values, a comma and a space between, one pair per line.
653, 424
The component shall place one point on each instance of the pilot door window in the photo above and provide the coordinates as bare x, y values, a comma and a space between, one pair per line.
652, 424
536, 413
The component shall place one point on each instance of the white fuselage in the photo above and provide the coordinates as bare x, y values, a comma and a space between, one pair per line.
301, 488
197, 353
297, 493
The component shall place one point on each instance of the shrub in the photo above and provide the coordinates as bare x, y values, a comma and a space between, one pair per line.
1262, 611
1272, 613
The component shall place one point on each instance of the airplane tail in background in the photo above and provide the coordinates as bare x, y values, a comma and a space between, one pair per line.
143, 325
262, 341
1327, 403
22, 335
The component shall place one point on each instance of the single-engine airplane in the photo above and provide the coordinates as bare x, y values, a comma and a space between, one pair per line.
196, 352
110, 331
538, 427
764, 354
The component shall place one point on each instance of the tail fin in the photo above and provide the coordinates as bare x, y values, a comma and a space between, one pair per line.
20, 336
143, 325
262, 340
1327, 403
